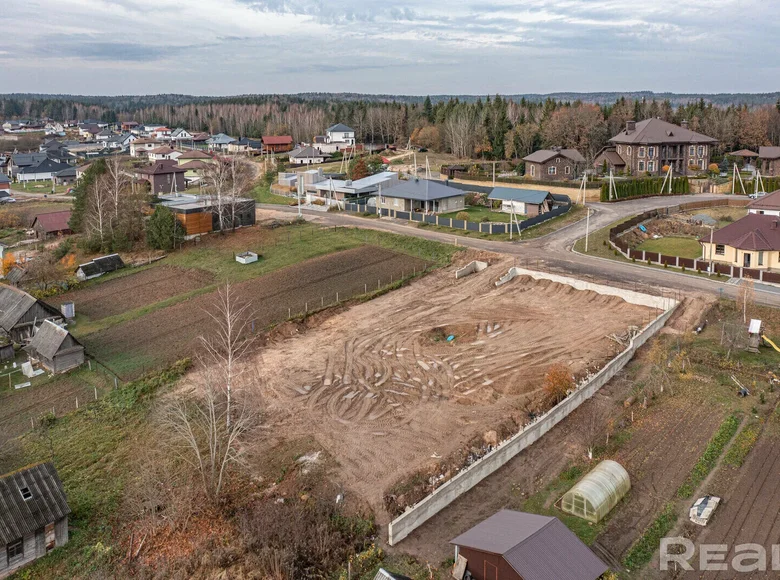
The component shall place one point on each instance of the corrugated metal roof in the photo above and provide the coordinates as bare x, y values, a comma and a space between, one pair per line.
47, 505
769, 152
537, 547
752, 232
339, 128
52, 222
534, 196
421, 190
769, 201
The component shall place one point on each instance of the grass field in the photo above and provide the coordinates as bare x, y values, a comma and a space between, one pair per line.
478, 213
673, 246
724, 215
262, 194
173, 307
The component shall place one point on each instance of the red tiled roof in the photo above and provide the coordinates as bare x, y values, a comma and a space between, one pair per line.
769, 201
278, 140
195, 154
53, 222
752, 232
162, 151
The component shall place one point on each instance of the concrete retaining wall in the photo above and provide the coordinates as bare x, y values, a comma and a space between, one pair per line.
470, 268
414, 517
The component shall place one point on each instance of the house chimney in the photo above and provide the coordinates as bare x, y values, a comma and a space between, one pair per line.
684, 123
630, 126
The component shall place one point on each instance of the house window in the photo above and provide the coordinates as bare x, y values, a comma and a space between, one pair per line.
26, 493
761, 258
701, 150
720, 250
382, 199
552, 170
701, 163
691, 151
641, 152
651, 166
651, 152
395, 202
15, 550
533, 170
641, 166
628, 150
558, 160
567, 170
620, 149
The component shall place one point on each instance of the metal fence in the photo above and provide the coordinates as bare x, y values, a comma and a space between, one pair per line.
482, 227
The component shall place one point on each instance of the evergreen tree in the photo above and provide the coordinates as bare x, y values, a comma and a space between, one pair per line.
428, 109
163, 231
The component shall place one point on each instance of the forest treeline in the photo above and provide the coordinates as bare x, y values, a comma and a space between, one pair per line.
489, 128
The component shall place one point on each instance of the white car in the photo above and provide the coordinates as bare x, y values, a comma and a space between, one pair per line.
757, 194
701, 511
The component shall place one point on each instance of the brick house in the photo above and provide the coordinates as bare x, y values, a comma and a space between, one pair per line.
650, 145
769, 159
554, 164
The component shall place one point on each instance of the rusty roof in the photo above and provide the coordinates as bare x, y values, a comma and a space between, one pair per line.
52, 222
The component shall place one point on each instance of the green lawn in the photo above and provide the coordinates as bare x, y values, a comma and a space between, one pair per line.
477, 213
673, 246
262, 194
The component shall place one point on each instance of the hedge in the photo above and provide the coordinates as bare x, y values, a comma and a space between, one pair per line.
770, 184
645, 188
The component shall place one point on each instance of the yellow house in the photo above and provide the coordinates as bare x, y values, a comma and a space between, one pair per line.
751, 242
194, 155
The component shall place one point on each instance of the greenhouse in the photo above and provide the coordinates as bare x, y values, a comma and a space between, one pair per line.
598, 492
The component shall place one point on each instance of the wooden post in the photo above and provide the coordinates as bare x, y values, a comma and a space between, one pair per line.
96, 393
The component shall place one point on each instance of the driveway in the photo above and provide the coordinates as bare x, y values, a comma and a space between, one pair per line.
553, 252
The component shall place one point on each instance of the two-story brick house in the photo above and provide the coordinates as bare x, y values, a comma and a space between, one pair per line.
652, 144
769, 160
553, 164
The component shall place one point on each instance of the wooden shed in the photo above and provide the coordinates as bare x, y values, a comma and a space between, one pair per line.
20, 312
55, 348
33, 516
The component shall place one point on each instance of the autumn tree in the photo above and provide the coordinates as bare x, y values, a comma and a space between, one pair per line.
558, 382
227, 180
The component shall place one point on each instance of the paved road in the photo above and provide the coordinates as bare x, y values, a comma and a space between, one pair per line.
553, 252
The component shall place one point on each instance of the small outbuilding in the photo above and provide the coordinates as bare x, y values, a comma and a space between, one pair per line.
33, 515
55, 223
594, 496
55, 348
529, 202
99, 266
512, 545
20, 312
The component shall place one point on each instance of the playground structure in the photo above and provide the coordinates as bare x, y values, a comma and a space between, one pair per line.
757, 338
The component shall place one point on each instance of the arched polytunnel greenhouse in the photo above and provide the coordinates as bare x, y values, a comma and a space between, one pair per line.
598, 492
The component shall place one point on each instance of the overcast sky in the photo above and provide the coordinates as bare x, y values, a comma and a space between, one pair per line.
228, 47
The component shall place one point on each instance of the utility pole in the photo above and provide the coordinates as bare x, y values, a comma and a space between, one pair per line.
494, 174
587, 229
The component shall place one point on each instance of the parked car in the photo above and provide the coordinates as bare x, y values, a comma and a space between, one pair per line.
7, 200
757, 194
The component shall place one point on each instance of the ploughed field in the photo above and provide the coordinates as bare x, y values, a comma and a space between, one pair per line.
164, 335
385, 392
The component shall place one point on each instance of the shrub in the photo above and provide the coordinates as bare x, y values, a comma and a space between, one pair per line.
558, 381
462, 215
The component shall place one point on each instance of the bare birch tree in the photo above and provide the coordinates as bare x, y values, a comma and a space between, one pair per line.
227, 180
99, 212
203, 437
229, 340
117, 182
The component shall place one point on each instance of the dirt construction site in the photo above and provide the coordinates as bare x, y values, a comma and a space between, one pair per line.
390, 386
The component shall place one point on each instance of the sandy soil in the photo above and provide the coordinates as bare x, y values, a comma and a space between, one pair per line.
386, 394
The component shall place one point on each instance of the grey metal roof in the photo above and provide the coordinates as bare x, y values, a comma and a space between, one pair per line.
14, 304
383, 574
339, 127
420, 190
49, 338
660, 131
45, 166
27, 159
305, 152
67, 172
543, 155
533, 196
537, 547
102, 265
4, 178
47, 505
220, 139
